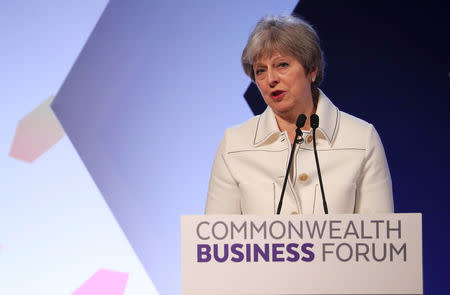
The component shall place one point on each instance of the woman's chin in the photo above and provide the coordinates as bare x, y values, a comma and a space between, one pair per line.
282, 109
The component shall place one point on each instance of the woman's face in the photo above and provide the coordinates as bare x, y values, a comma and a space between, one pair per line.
285, 86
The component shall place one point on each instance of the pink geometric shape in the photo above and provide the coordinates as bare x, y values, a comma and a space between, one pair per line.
104, 282
36, 133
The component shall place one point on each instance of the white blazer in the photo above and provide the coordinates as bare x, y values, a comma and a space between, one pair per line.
250, 164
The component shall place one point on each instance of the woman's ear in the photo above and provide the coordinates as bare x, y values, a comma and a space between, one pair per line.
313, 74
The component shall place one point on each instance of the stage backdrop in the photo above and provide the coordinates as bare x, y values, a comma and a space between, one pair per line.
144, 107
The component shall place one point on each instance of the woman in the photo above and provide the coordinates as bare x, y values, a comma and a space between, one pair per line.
284, 59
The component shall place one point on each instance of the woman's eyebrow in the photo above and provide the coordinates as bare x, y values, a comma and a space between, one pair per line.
259, 64
277, 58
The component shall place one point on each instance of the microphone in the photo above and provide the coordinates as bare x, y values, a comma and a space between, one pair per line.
314, 120
301, 120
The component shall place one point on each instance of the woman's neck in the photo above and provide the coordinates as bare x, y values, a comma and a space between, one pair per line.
287, 122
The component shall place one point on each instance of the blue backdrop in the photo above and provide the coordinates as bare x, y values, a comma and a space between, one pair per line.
389, 64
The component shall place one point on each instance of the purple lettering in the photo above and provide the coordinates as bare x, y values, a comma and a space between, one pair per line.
258, 251
236, 250
291, 249
216, 253
276, 252
203, 253
248, 247
306, 249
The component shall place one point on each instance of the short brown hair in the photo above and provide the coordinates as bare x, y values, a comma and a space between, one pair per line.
286, 34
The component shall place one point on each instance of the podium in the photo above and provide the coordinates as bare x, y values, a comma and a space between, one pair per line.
301, 254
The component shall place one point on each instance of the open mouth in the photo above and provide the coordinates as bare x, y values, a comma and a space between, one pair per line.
277, 94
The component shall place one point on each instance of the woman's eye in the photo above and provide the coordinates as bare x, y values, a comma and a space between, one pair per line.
259, 71
283, 64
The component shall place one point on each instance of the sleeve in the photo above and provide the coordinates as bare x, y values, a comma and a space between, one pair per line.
223, 193
374, 189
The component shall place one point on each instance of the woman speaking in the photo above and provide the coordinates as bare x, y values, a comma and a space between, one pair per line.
252, 169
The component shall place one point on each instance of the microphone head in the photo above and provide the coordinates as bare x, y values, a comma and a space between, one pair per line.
314, 120
301, 120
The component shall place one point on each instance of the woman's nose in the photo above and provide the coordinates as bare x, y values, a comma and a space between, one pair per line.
273, 78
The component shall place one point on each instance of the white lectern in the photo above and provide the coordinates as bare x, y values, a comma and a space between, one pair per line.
302, 254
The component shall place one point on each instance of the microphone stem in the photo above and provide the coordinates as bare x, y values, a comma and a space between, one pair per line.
297, 139
325, 207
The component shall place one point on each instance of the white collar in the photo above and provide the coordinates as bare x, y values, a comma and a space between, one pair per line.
328, 114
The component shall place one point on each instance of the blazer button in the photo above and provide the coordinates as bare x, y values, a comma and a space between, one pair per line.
303, 177
309, 139
294, 213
